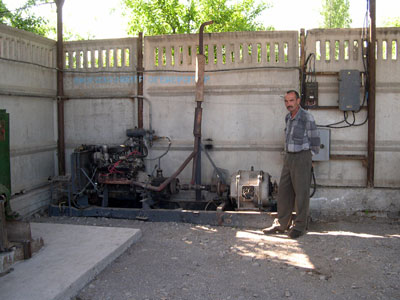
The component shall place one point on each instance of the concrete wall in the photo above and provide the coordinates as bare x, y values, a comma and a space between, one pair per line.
243, 110
247, 74
248, 101
100, 77
336, 202
387, 158
27, 92
340, 49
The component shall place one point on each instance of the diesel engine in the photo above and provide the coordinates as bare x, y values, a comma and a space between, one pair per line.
104, 175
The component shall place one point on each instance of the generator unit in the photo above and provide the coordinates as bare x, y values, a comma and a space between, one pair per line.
251, 190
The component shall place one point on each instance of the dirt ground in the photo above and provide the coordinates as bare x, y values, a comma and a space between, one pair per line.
356, 259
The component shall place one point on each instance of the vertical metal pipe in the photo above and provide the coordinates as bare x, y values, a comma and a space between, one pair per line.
140, 78
197, 140
60, 90
196, 172
201, 35
200, 68
302, 75
371, 95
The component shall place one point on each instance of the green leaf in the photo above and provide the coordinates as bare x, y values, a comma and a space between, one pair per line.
156, 17
23, 18
336, 14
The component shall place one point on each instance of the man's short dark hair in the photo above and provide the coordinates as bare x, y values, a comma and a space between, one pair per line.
295, 92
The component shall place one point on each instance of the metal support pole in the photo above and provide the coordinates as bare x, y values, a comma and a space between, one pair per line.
200, 68
302, 75
371, 95
60, 90
197, 149
140, 79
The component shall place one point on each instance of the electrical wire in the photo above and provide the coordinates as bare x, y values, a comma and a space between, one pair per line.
346, 115
332, 124
87, 184
306, 78
165, 153
75, 197
311, 58
182, 71
68, 70
28, 63
148, 71
364, 58
112, 169
345, 120
313, 180
99, 71
210, 202
253, 68
311, 69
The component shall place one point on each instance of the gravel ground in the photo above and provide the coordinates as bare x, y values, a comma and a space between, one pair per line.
356, 259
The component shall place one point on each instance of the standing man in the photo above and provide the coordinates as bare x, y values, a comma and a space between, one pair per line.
302, 140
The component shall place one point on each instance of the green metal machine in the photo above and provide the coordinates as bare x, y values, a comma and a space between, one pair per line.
11, 229
5, 175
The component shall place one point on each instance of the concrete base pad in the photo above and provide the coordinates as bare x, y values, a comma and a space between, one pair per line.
72, 255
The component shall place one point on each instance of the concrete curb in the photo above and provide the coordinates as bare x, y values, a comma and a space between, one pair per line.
81, 282
72, 256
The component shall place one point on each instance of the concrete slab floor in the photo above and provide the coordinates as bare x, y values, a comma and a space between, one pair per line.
71, 257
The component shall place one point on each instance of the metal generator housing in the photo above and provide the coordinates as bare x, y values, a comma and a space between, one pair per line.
251, 190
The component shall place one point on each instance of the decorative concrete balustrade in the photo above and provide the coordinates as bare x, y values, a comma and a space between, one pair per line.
25, 46
335, 48
345, 47
95, 55
222, 50
387, 44
388, 59
100, 67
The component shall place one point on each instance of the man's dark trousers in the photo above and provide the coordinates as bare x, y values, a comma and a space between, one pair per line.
294, 190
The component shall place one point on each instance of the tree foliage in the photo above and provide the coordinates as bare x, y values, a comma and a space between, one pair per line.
336, 13
154, 17
392, 22
23, 18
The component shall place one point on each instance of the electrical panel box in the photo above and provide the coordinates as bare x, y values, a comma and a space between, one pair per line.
311, 94
324, 148
349, 90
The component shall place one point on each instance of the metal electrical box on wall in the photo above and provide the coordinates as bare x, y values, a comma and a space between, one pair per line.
349, 90
311, 94
324, 148
5, 177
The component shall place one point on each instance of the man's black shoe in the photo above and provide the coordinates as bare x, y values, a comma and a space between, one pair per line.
294, 234
273, 229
